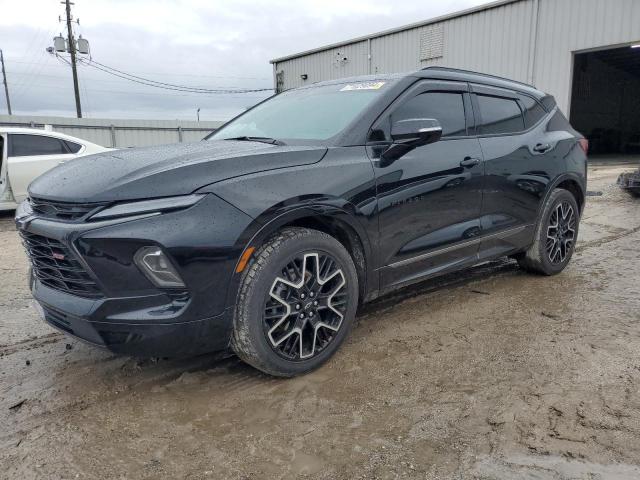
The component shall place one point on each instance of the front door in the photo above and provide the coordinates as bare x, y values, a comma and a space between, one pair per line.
429, 200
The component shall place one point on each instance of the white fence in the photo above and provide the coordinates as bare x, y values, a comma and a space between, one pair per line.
118, 133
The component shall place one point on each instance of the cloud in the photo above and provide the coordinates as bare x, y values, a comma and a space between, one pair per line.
206, 43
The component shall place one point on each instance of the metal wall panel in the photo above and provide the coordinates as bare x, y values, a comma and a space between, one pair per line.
118, 133
470, 42
569, 26
492, 41
326, 65
528, 40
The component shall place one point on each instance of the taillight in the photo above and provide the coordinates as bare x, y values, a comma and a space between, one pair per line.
584, 144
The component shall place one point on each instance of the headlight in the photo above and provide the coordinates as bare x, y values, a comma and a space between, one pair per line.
157, 267
147, 206
24, 210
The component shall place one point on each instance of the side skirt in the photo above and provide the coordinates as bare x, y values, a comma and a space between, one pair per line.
456, 257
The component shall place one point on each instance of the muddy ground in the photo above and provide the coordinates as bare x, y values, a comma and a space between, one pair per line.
492, 374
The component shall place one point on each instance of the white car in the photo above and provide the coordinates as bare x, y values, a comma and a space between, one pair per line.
26, 153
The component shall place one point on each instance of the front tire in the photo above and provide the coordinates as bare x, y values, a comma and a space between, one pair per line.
555, 237
296, 303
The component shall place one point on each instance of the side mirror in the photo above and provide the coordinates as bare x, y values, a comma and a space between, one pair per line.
416, 131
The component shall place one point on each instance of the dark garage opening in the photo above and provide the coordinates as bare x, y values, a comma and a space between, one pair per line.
605, 103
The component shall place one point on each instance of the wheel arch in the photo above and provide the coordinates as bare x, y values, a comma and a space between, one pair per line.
575, 189
334, 221
347, 235
570, 182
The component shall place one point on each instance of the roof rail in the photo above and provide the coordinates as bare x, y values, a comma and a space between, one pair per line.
449, 69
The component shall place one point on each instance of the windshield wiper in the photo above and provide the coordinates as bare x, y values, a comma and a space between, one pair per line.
271, 141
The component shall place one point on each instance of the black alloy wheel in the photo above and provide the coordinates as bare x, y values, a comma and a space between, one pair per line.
561, 233
296, 302
555, 237
305, 306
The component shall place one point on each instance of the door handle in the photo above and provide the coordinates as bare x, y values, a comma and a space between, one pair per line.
542, 148
469, 162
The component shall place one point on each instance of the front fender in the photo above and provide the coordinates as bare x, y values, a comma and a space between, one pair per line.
270, 223
326, 214
341, 188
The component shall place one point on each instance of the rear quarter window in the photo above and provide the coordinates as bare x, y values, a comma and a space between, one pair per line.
533, 111
558, 123
548, 102
73, 147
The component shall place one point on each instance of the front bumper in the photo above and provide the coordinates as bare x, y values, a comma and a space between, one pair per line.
630, 182
132, 316
71, 315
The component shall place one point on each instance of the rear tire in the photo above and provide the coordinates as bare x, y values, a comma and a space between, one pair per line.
555, 237
296, 303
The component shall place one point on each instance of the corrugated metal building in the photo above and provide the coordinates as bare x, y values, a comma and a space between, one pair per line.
118, 133
580, 51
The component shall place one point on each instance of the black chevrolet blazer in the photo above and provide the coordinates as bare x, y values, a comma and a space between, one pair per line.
266, 236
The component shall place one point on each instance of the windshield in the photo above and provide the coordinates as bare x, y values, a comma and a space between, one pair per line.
316, 113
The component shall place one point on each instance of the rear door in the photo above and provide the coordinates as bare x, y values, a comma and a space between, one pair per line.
29, 156
520, 160
429, 200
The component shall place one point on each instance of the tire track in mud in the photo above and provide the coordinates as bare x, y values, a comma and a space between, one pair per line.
130, 378
603, 241
30, 344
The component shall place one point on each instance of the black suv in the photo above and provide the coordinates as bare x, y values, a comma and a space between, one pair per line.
267, 236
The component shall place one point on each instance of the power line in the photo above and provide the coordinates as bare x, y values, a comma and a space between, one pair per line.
149, 80
64, 62
168, 74
257, 97
36, 61
35, 67
166, 86
88, 77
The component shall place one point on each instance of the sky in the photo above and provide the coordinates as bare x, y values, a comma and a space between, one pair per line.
200, 43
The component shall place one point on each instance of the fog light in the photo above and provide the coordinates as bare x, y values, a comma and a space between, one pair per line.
156, 267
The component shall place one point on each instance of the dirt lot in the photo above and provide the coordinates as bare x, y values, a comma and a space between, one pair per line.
491, 374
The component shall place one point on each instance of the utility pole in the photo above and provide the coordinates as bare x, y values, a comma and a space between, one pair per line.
6, 87
70, 46
72, 51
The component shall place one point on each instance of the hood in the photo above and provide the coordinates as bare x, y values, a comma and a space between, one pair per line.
164, 171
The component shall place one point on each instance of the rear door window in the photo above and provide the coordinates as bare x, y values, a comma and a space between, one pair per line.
500, 115
27, 145
446, 107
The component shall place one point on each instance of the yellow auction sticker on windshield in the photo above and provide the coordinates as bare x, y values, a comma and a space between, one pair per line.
362, 86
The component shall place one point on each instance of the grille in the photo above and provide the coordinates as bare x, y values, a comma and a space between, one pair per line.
55, 266
62, 210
